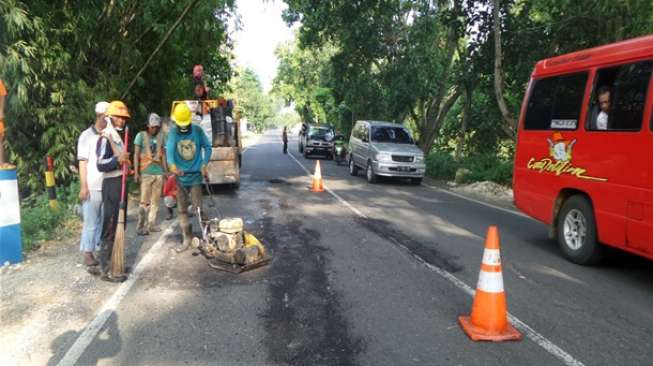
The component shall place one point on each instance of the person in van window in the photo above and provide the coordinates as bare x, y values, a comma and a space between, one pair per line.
603, 95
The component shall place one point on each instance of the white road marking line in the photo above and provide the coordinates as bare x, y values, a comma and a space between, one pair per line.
108, 308
530, 333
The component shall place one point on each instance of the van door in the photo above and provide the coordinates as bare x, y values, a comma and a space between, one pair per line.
363, 150
639, 207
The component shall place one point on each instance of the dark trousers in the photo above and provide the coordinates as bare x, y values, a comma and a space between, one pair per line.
111, 188
285, 147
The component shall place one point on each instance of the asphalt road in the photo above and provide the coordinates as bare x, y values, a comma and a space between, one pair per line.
369, 275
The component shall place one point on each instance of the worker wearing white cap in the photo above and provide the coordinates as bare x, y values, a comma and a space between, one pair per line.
90, 192
150, 167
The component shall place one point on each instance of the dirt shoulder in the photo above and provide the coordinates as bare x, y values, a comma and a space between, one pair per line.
487, 192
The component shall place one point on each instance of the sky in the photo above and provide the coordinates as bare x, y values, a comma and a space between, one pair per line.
262, 29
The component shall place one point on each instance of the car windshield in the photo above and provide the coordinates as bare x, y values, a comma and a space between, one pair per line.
394, 135
320, 133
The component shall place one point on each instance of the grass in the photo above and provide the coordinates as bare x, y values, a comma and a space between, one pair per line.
440, 165
41, 223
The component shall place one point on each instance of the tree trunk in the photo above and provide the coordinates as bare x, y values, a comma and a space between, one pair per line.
509, 120
465, 121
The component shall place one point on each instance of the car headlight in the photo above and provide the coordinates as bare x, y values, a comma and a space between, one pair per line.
383, 157
419, 158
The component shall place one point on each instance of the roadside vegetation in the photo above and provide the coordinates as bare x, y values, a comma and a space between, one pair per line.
434, 67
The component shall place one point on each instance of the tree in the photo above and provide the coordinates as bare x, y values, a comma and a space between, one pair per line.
251, 102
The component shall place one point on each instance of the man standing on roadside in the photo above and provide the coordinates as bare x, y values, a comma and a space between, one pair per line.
150, 167
3, 163
90, 186
111, 154
284, 138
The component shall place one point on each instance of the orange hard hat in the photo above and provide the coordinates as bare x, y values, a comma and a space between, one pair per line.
117, 109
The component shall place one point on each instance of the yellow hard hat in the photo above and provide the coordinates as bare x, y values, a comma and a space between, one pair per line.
117, 109
182, 115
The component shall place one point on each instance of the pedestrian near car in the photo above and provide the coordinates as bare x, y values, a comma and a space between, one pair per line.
150, 167
284, 137
90, 190
188, 152
111, 154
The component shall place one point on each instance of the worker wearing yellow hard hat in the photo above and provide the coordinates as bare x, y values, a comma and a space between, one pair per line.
188, 152
111, 155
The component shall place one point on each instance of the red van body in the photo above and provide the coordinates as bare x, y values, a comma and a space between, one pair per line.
562, 154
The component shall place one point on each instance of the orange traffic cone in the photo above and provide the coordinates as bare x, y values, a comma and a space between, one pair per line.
489, 319
318, 185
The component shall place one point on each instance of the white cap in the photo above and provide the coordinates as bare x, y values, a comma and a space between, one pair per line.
153, 120
101, 107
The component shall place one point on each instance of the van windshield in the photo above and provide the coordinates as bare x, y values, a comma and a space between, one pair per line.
393, 135
320, 133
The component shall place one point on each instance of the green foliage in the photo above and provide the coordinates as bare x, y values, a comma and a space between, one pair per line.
58, 58
441, 165
487, 167
251, 102
39, 222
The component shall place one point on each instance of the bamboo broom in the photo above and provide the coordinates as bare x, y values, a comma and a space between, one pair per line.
117, 272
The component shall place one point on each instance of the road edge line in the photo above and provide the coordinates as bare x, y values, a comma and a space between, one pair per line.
89, 333
531, 333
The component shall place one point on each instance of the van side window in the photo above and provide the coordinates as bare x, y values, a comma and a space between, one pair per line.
619, 96
555, 102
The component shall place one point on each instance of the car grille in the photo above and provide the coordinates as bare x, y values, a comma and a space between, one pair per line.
402, 159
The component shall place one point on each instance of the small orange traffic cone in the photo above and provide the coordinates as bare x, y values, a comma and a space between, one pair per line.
489, 319
318, 185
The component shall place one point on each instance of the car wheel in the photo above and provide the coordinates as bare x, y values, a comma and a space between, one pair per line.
371, 177
416, 181
577, 232
353, 169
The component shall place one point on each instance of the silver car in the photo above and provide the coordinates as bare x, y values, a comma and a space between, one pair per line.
385, 149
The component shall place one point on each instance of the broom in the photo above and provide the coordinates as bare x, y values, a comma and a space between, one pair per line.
117, 273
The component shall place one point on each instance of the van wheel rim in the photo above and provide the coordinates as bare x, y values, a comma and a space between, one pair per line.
369, 172
351, 166
575, 229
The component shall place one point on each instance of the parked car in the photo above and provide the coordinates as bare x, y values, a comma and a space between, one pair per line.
317, 139
385, 149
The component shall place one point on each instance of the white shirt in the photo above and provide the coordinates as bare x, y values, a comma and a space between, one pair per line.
602, 121
86, 146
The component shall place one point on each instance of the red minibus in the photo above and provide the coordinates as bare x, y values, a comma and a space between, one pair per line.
583, 163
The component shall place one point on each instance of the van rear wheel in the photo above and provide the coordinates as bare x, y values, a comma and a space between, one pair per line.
577, 232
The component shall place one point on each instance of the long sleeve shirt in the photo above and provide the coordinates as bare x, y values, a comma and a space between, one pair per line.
107, 162
188, 153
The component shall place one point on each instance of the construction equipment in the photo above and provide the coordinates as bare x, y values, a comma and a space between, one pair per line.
225, 243
223, 132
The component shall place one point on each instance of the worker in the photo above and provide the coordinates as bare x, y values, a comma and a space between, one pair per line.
188, 152
4, 165
150, 167
90, 187
111, 154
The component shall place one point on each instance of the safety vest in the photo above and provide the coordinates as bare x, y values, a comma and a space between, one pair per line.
146, 152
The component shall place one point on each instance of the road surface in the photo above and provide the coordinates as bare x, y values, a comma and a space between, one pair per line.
364, 275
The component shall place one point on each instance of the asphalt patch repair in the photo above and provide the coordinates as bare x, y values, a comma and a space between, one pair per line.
304, 324
427, 252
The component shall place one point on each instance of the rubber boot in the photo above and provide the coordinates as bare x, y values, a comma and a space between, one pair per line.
140, 226
187, 235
